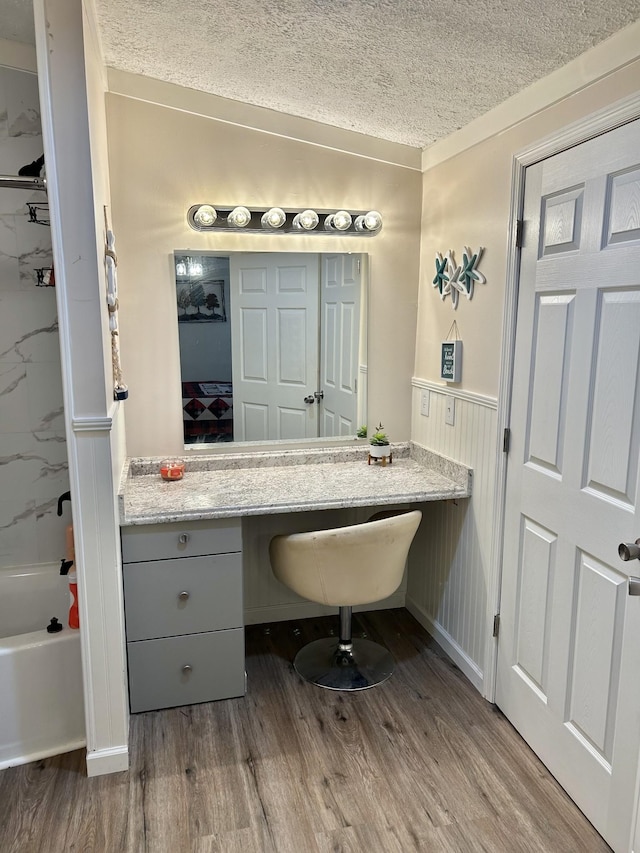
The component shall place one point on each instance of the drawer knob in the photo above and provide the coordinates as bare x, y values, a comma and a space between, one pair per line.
183, 596
187, 668
183, 538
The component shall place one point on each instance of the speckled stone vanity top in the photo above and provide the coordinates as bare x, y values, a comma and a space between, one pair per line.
259, 483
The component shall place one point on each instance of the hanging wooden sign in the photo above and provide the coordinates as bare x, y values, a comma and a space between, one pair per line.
451, 361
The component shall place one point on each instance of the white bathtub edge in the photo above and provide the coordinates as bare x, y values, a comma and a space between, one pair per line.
38, 755
111, 760
42, 702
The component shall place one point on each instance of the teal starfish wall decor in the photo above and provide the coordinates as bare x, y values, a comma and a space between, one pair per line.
469, 274
446, 277
453, 279
441, 280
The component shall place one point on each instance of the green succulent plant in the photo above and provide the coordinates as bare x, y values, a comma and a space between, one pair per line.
362, 432
379, 438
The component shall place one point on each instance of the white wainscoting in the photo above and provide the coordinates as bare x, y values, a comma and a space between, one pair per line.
449, 569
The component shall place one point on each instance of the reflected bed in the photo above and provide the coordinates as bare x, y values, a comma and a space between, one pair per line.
207, 411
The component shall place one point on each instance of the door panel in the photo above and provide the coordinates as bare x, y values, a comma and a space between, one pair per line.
253, 345
274, 304
569, 647
549, 382
291, 324
340, 343
594, 651
623, 207
562, 222
535, 583
612, 460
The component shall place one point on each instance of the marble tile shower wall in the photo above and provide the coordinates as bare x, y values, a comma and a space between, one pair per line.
33, 458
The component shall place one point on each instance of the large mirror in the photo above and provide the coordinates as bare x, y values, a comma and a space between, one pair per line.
272, 345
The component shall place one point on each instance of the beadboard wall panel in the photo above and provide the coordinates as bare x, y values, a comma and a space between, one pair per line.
449, 566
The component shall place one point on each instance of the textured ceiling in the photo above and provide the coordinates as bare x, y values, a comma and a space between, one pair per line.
408, 71
16, 21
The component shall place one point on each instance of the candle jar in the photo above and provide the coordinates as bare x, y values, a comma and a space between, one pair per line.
171, 469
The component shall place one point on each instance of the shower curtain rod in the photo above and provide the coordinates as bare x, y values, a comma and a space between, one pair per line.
23, 183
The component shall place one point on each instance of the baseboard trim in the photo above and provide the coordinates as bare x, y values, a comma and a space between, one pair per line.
112, 760
444, 639
309, 609
39, 754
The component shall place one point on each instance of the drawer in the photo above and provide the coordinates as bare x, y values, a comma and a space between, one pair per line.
159, 678
191, 539
183, 596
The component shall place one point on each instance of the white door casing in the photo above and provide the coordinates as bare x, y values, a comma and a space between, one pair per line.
274, 317
569, 646
340, 310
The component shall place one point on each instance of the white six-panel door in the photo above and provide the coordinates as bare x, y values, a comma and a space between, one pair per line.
569, 645
274, 317
340, 298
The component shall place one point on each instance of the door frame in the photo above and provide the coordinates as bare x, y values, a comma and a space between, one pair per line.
610, 117
601, 121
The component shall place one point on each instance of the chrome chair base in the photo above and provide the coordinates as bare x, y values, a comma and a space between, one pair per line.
357, 665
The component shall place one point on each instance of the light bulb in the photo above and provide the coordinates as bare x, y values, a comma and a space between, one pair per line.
239, 217
274, 218
181, 268
371, 221
205, 215
306, 220
195, 267
339, 221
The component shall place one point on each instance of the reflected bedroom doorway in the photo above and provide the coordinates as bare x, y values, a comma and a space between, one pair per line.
272, 345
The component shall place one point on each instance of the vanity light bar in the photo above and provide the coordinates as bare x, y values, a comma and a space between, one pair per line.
283, 220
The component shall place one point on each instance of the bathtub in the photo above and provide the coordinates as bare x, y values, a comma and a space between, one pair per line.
41, 696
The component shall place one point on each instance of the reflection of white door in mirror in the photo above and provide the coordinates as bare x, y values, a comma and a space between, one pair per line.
259, 333
274, 322
339, 343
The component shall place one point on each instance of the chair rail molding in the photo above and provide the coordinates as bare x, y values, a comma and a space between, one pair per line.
459, 393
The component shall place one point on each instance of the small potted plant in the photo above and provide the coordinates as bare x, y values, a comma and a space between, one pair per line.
362, 432
380, 447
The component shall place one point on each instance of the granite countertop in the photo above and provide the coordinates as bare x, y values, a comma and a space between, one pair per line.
259, 483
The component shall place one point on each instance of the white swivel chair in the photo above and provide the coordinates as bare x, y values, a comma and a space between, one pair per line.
343, 567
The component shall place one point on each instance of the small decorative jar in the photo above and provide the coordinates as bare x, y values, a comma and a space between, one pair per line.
171, 469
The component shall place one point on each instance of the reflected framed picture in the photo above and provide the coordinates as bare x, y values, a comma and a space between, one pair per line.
201, 302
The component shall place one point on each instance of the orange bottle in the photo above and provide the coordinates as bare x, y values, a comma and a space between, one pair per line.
74, 618
72, 577
67, 563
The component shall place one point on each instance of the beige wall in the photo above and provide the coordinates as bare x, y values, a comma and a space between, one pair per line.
466, 201
162, 161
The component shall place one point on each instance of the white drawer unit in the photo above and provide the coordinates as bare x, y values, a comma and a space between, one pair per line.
183, 613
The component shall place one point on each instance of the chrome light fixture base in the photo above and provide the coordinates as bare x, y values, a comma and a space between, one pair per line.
269, 220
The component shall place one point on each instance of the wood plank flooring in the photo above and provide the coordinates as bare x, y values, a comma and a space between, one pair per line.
421, 763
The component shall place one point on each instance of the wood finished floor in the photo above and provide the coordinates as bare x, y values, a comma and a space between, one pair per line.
420, 763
